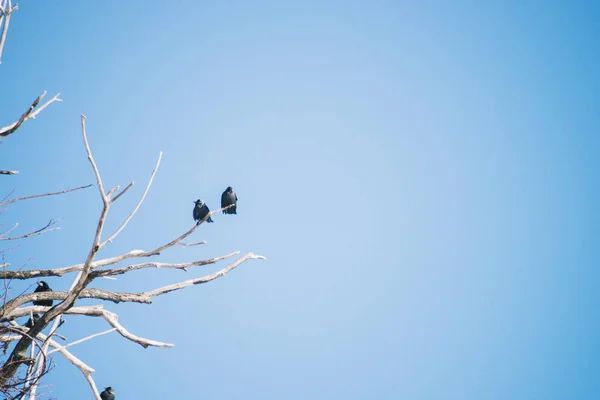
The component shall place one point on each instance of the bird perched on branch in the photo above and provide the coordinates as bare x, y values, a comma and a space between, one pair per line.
30, 322
228, 198
201, 210
42, 287
108, 394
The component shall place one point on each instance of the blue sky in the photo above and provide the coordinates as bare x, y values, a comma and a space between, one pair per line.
422, 178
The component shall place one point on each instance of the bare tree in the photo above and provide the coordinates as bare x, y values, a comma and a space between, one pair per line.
27, 348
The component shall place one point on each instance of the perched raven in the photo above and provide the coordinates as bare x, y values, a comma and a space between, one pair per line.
201, 210
42, 287
108, 394
227, 198
30, 323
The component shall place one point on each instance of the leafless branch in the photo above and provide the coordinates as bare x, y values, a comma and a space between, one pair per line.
82, 340
87, 272
41, 360
208, 278
182, 266
112, 319
123, 192
31, 113
10, 311
43, 195
83, 367
34, 233
5, 13
191, 244
111, 191
110, 239
8, 370
9, 230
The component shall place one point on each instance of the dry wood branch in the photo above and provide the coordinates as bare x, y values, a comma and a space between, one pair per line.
41, 359
83, 367
6, 312
111, 191
5, 13
110, 239
40, 231
41, 273
123, 192
44, 194
112, 319
10, 311
31, 113
82, 340
9, 231
191, 244
204, 279
8, 370
181, 237
182, 266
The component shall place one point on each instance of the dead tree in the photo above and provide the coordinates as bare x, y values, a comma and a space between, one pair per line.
27, 349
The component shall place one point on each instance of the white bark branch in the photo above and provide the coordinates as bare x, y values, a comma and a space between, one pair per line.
83, 367
123, 192
182, 266
110, 239
110, 317
40, 231
191, 244
204, 279
11, 311
43, 195
82, 340
5, 13
41, 360
31, 113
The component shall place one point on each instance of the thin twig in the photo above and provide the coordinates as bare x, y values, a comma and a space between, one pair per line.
34, 233
31, 113
191, 244
110, 239
122, 192
6, 12
44, 194
82, 340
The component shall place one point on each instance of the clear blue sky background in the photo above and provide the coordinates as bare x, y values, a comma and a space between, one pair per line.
422, 176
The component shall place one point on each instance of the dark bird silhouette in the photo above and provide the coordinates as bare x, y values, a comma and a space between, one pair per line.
42, 287
30, 323
201, 210
228, 198
108, 394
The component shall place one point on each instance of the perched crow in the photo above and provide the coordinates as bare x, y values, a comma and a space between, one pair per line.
30, 323
43, 287
227, 198
201, 210
108, 394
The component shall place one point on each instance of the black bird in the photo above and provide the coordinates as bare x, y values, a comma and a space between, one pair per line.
227, 198
108, 394
201, 210
30, 323
42, 287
